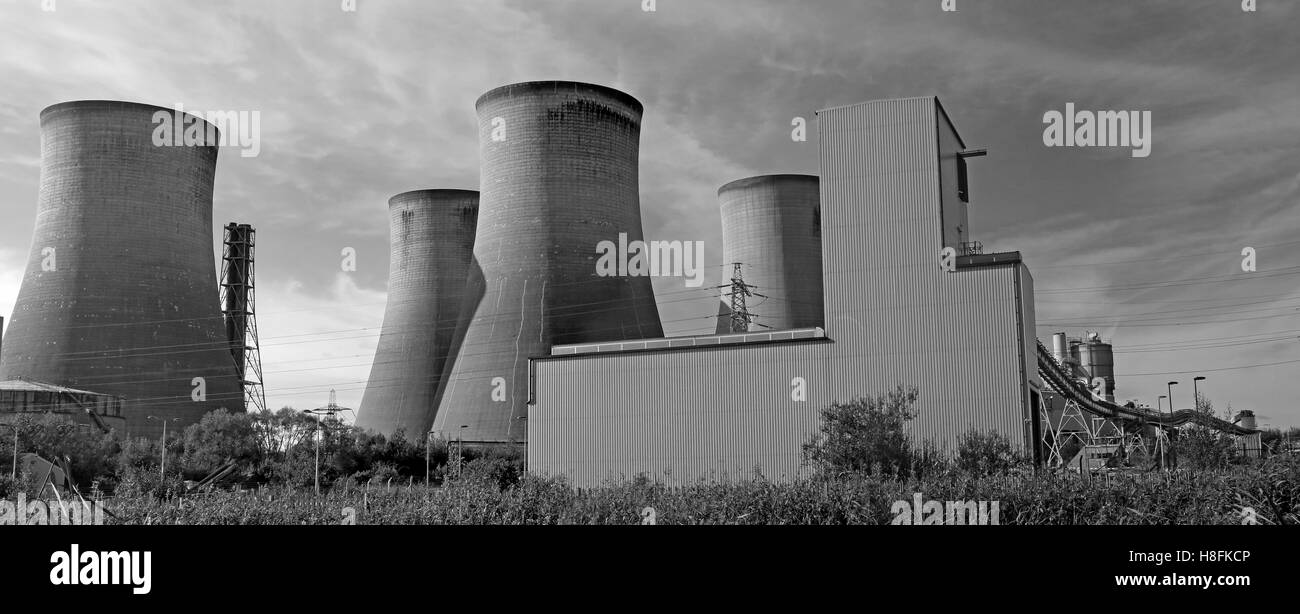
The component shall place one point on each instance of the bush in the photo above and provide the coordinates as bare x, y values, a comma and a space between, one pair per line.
502, 466
986, 453
865, 436
1203, 448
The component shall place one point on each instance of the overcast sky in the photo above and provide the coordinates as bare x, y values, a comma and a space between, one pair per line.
359, 106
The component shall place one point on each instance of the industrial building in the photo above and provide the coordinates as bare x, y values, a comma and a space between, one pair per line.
431, 245
893, 196
91, 409
120, 295
559, 175
771, 236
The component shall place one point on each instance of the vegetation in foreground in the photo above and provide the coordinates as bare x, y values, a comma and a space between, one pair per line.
860, 464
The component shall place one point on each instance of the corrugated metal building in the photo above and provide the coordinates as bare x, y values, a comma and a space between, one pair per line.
893, 195
18, 397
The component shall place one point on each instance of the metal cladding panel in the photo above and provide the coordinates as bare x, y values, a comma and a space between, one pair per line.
664, 414
431, 244
955, 335
771, 224
559, 176
120, 294
955, 223
1029, 326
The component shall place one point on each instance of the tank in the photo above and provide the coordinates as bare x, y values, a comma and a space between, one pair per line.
431, 242
1097, 359
559, 176
120, 294
1059, 349
771, 225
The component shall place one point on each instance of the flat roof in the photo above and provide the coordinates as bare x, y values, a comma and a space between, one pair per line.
22, 385
696, 341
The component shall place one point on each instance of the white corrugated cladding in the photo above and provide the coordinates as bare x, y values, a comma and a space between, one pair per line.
893, 317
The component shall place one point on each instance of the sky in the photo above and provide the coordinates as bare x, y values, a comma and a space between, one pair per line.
357, 106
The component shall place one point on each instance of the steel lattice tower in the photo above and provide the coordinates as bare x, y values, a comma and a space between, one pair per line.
740, 316
239, 308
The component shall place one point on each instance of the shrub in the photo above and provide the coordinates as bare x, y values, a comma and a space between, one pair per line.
986, 453
864, 436
1204, 448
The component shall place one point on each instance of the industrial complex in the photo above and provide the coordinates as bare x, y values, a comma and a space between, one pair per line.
501, 329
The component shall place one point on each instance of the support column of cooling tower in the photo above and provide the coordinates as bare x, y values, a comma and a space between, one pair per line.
430, 247
239, 306
120, 293
559, 175
772, 224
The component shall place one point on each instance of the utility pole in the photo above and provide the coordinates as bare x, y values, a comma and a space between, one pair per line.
15, 471
162, 470
428, 437
328, 411
1196, 394
316, 434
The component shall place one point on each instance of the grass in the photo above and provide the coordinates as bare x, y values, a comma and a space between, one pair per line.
1272, 488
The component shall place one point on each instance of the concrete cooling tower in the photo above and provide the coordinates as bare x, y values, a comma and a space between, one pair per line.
771, 224
559, 176
120, 295
431, 244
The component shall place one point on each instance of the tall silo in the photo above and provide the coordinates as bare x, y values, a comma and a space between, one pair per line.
771, 225
558, 178
1097, 359
430, 246
120, 294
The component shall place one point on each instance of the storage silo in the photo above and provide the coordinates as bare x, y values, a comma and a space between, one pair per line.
120, 294
1060, 350
558, 177
771, 225
1097, 359
431, 243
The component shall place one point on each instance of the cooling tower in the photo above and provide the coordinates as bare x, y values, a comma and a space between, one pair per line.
559, 176
120, 295
771, 224
431, 244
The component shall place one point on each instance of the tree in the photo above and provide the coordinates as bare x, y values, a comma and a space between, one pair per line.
866, 435
92, 454
220, 437
1202, 447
